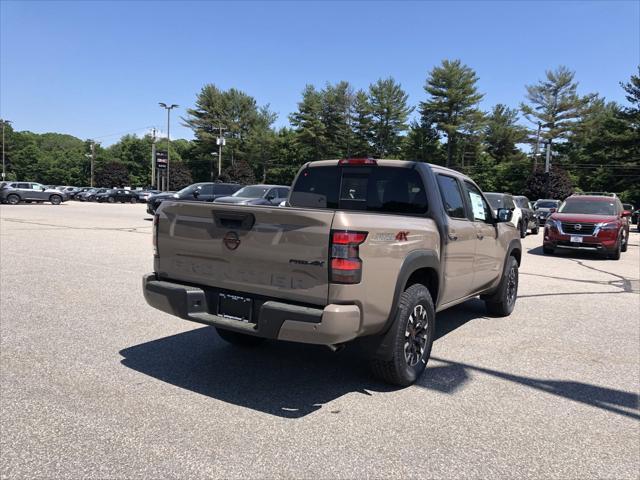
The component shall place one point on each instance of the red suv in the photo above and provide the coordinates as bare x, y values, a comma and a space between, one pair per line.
595, 223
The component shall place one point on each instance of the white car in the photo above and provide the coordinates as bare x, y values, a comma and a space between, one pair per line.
505, 200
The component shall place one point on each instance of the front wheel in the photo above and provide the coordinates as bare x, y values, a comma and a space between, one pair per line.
55, 199
134, 200
111, 200
535, 230
239, 339
501, 303
522, 229
413, 332
615, 255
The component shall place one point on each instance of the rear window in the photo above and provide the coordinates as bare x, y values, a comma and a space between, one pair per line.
371, 189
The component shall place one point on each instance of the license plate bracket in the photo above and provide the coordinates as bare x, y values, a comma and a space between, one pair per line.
235, 307
575, 239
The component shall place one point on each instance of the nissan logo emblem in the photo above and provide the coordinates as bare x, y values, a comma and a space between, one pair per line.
231, 240
578, 226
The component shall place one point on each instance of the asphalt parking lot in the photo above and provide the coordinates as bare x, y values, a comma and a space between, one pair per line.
96, 384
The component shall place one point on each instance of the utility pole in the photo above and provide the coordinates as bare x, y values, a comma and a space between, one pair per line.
537, 148
93, 158
168, 108
153, 158
214, 154
4, 168
547, 163
220, 141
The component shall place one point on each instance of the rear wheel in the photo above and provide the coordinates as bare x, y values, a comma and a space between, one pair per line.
239, 339
134, 200
111, 200
55, 199
501, 303
13, 199
413, 331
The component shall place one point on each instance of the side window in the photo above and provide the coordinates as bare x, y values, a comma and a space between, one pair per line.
283, 193
36, 186
206, 189
480, 209
23, 185
451, 196
508, 203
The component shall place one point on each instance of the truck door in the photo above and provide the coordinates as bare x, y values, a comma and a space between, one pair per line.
459, 242
486, 264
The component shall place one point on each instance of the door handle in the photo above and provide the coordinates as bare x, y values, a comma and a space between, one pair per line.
453, 236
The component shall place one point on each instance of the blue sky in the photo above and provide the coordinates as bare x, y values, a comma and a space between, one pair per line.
98, 69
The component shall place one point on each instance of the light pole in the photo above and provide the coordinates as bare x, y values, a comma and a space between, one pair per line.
4, 170
214, 154
168, 108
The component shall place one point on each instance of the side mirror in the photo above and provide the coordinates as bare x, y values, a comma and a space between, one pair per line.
43, 189
626, 213
504, 215
196, 194
552, 210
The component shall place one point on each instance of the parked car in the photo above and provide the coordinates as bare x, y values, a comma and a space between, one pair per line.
143, 195
90, 195
505, 200
117, 195
529, 219
257, 195
201, 192
594, 223
544, 208
16, 192
370, 249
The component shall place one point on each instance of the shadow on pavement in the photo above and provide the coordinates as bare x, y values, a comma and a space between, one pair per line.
449, 377
280, 378
293, 380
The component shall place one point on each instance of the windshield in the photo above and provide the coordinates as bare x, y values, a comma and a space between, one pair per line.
251, 192
495, 200
588, 207
522, 202
548, 204
188, 190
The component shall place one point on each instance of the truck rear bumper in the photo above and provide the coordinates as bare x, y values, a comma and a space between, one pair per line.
277, 320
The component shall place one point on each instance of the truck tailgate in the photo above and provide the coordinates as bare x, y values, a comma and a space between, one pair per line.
271, 251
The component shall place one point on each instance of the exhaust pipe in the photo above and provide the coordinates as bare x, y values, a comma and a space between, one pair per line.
336, 348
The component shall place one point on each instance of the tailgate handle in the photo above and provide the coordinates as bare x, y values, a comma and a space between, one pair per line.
234, 220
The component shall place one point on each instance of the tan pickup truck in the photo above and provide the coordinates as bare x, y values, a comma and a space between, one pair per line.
364, 249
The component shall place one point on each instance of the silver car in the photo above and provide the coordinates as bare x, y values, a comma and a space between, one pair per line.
16, 192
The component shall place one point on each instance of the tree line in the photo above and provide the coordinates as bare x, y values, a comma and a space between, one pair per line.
594, 144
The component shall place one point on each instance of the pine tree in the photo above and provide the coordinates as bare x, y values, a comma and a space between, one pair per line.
309, 125
452, 102
389, 113
361, 125
502, 133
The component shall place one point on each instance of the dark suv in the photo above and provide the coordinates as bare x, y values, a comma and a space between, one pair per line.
595, 223
202, 192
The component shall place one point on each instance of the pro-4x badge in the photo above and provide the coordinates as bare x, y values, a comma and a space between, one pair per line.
402, 236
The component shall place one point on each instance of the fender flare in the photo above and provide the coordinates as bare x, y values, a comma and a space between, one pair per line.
383, 343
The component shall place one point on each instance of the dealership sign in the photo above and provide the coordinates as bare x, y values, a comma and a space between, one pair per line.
161, 160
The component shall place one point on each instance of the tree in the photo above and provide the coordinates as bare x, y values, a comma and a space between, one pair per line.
180, 175
239, 172
337, 111
555, 104
361, 125
388, 116
452, 101
556, 184
112, 175
502, 133
423, 143
309, 123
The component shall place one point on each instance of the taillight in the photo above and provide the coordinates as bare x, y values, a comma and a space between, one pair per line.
345, 265
154, 234
357, 161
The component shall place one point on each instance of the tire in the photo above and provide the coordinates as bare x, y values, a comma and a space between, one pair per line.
501, 303
522, 229
111, 200
413, 332
55, 199
134, 200
615, 255
13, 199
535, 230
547, 250
625, 243
239, 339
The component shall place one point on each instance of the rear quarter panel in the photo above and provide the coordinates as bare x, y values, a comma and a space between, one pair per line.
382, 256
